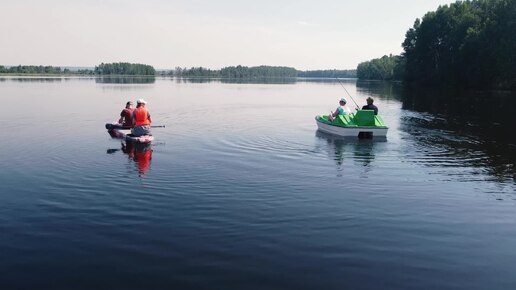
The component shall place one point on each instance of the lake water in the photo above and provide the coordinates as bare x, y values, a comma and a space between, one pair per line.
239, 190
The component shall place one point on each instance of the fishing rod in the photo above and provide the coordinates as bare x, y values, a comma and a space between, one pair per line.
348, 93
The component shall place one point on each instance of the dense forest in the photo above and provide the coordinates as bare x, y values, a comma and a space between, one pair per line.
467, 44
384, 68
124, 68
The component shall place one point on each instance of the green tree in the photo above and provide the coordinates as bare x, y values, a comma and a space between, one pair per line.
384, 68
464, 44
124, 68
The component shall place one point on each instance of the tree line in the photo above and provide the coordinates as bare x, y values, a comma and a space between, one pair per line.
33, 69
230, 72
120, 68
384, 68
258, 72
124, 68
236, 72
464, 44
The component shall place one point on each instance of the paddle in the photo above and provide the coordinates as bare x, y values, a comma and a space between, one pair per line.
157, 126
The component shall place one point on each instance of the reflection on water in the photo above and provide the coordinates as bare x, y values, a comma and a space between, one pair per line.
125, 79
259, 81
263, 80
336, 81
152, 79
455, 128
140, 153
475, 128
38, 79
102, 79
442, 144
360, 150
236, 80
489, 114
385, 90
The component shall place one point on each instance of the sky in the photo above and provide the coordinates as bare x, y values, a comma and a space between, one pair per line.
306, 35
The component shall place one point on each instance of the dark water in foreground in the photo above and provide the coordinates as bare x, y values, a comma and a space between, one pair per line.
239, 191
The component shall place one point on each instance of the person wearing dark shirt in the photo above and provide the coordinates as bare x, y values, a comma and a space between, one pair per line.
370, 106
126, 116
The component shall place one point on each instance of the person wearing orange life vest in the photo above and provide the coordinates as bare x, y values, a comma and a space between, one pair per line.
141, 119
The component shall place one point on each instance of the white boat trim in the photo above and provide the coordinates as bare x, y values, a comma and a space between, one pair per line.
350, 131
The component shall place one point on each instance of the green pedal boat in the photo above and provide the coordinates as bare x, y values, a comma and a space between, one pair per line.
362, 124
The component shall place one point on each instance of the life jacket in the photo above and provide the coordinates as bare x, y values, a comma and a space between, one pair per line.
141, 117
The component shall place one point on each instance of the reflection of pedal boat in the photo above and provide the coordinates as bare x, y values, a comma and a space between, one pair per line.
118, 131
363, 123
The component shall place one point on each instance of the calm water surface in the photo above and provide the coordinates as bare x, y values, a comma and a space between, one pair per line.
239, 191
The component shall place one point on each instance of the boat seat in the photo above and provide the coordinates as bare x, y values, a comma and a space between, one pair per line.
346, 120
364, 118
378, 121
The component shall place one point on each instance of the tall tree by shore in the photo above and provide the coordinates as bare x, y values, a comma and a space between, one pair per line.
464, 44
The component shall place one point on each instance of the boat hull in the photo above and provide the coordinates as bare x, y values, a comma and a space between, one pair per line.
351, 131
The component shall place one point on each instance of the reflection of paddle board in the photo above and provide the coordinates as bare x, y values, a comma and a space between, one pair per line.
361, 124
118, 131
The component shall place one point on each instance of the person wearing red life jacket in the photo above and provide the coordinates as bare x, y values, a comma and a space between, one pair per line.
126, 116
141, 119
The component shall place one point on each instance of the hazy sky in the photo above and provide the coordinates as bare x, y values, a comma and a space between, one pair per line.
314, 34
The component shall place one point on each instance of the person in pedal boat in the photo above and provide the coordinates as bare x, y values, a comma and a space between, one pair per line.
370, 106
341, 110
141, 119
126, 116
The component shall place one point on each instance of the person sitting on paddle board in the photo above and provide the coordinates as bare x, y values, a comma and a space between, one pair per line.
370, 106
141, 119
126, 116
341, 110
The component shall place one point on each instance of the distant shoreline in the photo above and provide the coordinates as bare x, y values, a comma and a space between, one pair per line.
153, 76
